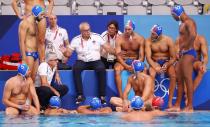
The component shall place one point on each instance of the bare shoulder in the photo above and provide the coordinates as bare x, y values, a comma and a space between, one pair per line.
139, 38
10, 82
29, 80
202, 39
168, 39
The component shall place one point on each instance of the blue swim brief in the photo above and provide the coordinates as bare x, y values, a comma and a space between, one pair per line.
162, 62
35, 55
191, 52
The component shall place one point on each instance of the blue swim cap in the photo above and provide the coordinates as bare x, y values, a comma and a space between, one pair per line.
37, 10
129, 61
157, 29
138, 66
95, 103
130, 24
177, 10
137, 103
23, 69
55, 102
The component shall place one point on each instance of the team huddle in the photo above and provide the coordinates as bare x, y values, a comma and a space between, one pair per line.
38, 86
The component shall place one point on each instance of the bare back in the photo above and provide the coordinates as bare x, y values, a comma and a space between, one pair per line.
142, 86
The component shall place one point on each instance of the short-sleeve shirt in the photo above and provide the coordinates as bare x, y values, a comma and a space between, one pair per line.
55, 39
87, 50
44, 70
111, 42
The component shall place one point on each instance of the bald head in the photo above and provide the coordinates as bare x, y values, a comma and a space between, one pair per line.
52, 20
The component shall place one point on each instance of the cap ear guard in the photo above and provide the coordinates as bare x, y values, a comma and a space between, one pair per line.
131, 24
177, 10
157, 29
95, 103
23, 69
138, 66
55, 102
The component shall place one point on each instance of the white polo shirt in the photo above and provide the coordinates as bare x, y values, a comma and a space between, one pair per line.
55, 39
111, 41
44, 70
87, 50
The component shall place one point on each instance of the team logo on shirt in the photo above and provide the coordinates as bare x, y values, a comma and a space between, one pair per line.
94, 41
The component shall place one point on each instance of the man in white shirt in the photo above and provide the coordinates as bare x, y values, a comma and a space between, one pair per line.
110, 36
57, 41
88, 45
46, 86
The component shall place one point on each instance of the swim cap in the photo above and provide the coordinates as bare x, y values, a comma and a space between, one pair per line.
23, 69
37, 10
177, 10
137, 102
95, 103
138, 66
157, 102
55, 102
131, 24
129, 61
157, 29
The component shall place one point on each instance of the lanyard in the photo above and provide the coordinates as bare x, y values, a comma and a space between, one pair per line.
108, 36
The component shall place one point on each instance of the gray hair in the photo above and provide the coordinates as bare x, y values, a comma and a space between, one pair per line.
51, 56
82, 24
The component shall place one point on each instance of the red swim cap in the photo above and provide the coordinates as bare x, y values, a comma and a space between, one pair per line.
157, 102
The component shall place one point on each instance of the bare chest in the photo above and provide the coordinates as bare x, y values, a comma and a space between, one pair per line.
20, 88
159, 47
130, 46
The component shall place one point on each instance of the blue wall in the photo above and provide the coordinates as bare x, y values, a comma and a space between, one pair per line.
9, 27
90, 88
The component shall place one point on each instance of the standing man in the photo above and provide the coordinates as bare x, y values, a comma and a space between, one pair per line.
129, 45
187, 35
41, 23
18, 91
28, 42
57, 40
201, 47
110, 36
160, 54
88, 45
48, 82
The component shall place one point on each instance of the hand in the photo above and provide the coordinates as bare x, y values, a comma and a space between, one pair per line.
125, 106
57, 93
21, 17
24, 107
165, 67
62, 49
158, 69
129, 68
203, 68
58, 80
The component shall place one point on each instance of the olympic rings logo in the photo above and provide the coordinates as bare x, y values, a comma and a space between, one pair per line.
159, 86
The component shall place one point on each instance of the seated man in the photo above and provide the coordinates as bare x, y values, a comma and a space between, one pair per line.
46, 86
128, 45
54, 107
110, 36
160, 54
95, 107
87, 46
17, 93
142, 85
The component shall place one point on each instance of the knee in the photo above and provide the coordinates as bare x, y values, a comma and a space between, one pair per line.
100, 68
11, 111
